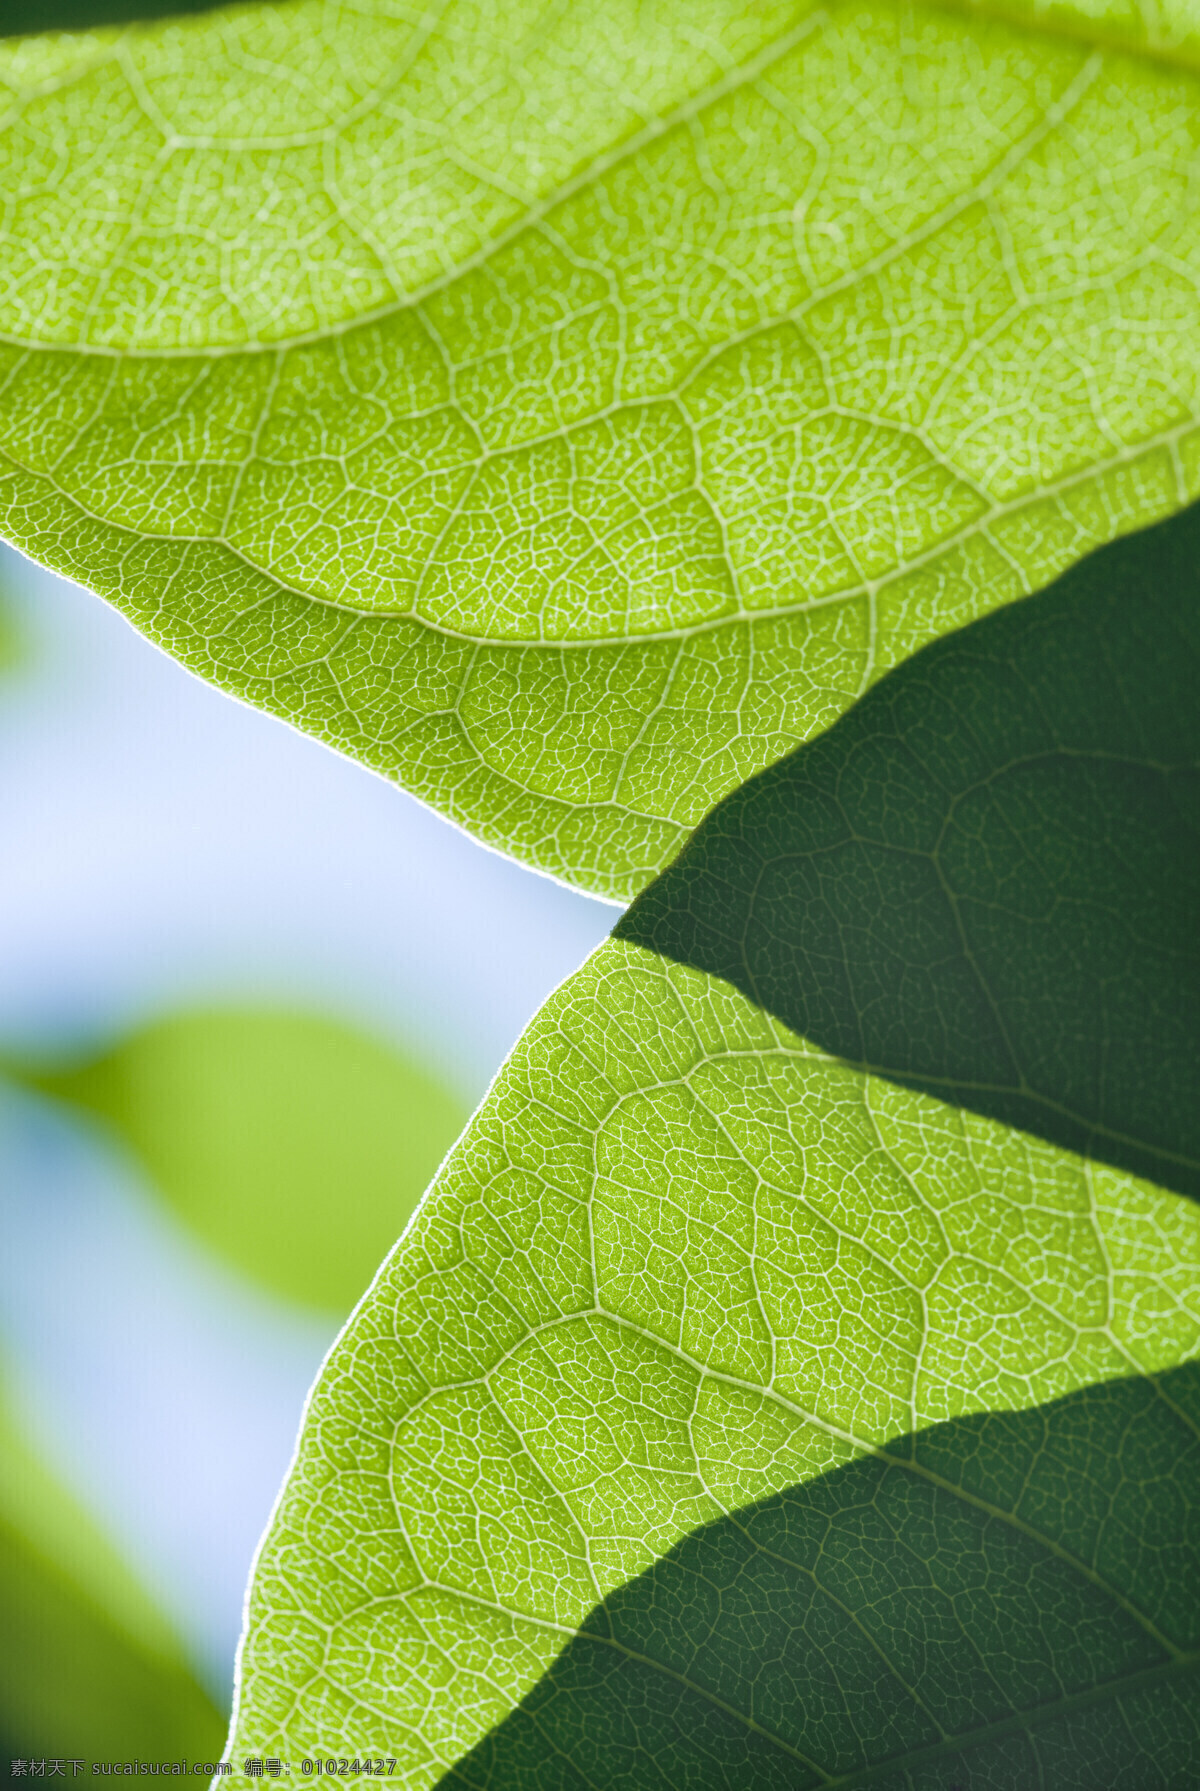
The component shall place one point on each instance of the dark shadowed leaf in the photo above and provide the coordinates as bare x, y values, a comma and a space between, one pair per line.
1006, 1601
985, 879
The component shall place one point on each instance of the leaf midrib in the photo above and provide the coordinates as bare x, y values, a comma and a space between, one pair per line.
1111, 43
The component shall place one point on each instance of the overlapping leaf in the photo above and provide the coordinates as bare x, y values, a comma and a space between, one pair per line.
570, 412
731, 1415
985, 879
920, 1603
569, 417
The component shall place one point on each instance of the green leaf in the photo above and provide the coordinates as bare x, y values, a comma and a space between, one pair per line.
689, 1282
984, 880
570, 413
954, 1584
681, 1262
295, 1146
88, 1666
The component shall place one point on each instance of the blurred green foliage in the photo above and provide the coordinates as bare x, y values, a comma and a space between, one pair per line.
10, 634
293, 1145
88, 1666
296, 1148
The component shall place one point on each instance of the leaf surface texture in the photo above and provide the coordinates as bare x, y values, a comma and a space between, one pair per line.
569, 418
984, 880
690, 1282
680, 1262
981, 1571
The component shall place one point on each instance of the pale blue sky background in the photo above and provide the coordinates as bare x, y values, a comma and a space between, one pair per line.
163, 845
162, 842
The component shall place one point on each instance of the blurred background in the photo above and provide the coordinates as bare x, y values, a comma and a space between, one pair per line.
249, 994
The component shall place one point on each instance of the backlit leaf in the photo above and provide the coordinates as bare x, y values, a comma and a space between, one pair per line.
569, 411
731, 1415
